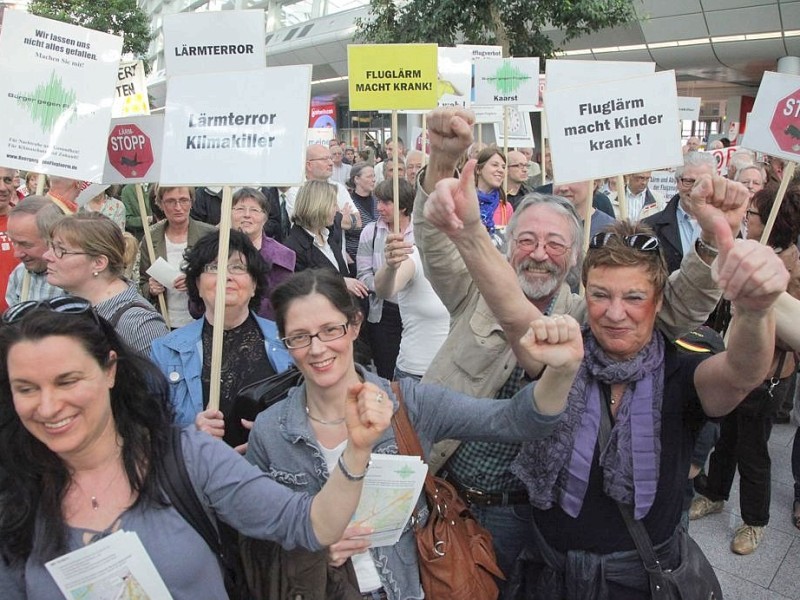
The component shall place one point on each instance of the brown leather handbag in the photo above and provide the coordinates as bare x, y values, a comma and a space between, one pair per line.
456, 556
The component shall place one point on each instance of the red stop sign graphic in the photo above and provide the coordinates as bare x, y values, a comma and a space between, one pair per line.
130, 151
785, 125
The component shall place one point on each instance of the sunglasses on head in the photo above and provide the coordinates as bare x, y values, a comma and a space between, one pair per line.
638, 241
67, 305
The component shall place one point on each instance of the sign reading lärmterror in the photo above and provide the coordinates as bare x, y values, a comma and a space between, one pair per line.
217, 41
236, 128
392, 76
56, 90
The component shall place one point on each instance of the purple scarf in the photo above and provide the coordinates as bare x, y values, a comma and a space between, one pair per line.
488, 203
556, 469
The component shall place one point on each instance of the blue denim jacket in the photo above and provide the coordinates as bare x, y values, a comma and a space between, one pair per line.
179, 355
283, 444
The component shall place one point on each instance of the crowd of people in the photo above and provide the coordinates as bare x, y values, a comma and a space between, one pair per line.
543, 378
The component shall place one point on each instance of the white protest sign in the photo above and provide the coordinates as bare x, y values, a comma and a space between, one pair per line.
664, 183
570, 73
722, 156
604, 129
56, 91
130, 96
455, 76
133, 149
483, 114
214, 41
507, 81
320, 135
774, 123
237, 128
519, 130
689, 108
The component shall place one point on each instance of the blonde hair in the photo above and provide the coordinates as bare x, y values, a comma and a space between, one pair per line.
95, 234
313, 205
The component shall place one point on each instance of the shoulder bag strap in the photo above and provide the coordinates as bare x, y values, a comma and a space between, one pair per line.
178, 486
641, 538
407, 439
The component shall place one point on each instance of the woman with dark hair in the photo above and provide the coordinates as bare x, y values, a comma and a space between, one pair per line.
490, 175
361, 185
745, 432
251, 349
385, 327
250, 214
298, 440
87, 258
85, 427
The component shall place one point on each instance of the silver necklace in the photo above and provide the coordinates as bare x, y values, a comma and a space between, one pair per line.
323, 421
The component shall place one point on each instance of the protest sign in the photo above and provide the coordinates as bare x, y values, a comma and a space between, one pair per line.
774, 124
570, 73
520, 133
604, 129
506, 81
454, 77
214, 41
130, 97
392, 76
722, 156
134, 149
664, 183
483, 114
689, 108
237, 128
56, 91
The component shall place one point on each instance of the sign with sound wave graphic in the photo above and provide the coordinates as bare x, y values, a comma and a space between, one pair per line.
56, 91
507, 81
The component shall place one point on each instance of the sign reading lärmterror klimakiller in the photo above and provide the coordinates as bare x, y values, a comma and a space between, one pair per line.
236, 128
56, 90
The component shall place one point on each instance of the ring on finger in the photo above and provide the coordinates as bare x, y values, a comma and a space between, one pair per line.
379, 397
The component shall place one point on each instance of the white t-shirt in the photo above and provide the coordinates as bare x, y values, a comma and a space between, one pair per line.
426, 322
364, 566
177, 302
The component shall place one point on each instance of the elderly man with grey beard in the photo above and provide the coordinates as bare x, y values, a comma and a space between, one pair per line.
544, 242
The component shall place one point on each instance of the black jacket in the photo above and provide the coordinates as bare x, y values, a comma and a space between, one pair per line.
665, 224
311, 257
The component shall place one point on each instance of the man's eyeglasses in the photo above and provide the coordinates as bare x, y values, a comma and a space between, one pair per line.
184, 202
67, 305
326, 334
638, 241
520, 165
687, 181
237, 268
61, 252
326, 159
530, 244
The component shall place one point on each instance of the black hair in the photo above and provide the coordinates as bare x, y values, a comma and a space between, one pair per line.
37, 478
205, 252
315, 281
786, 228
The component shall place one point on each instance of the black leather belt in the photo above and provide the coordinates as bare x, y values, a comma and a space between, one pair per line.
478, 497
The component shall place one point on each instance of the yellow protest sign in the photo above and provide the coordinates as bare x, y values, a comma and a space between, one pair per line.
392, 76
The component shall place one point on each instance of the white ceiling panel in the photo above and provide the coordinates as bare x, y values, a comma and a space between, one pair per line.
744, 20
666, 8
683, 27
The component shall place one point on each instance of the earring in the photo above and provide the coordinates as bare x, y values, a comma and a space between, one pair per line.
95, 273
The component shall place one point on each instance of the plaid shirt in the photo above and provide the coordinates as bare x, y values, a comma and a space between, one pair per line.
486, 465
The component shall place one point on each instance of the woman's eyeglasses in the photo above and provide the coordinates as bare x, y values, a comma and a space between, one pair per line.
237, 268
638, 241
326, 334
60, 252
66, 305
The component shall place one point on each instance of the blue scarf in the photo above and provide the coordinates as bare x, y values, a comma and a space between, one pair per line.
488, 202
556, 469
